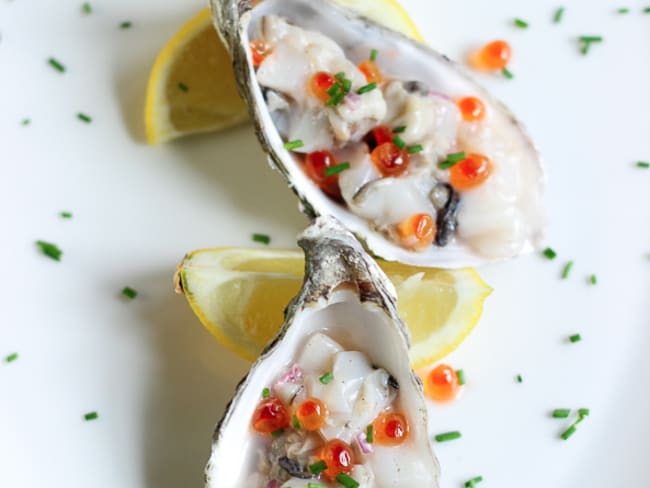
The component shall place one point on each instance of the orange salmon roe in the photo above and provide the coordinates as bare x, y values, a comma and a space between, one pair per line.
315, 165
319, 84
371, 71
470, 172
259, 51
270, 415
390, 429
441, 384
311, 414
338, 457
417, 231
389, 159
493, 56
382, 134
472, 109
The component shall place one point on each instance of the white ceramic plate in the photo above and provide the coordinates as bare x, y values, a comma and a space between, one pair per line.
159, 381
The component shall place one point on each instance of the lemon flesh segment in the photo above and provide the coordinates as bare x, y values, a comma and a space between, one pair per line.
239, 295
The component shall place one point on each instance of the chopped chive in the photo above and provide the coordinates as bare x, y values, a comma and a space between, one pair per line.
415, 149
277, 433
346, 480
26, 122
340, 76
520, 379
373, 54
448, 436
266, 393
561, 413
336, 169
295, 422
623, 10
370, 436
507, 73
12, 357
646, 10
291, 145
593, 279
452, 159
84, 118
557, 18
347, 85
399, 142
262, 238
50, 250
318, 468
549, 253
642, 164
568, 433
521, 23
91, 416
399, 130
567, 270
471, 483
183, 87
129, 292
367, 88
575, 338
315, 485
590, 39
86, 8
125, 25
584, 412
460, 374
326, 378
57, 65
65, 215
334, 89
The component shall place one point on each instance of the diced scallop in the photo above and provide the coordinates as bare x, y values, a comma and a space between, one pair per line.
374, 397
363, 475
357, 115
318, 354
286, 70
360, 172
312, 128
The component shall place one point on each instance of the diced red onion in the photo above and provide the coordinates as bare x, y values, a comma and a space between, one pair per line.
440, 95
353, 100
292, 376
364, 445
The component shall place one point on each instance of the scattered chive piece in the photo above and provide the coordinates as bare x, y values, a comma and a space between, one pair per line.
460, 374
347, 85
370, 437
333, 90
318, 468
315, 485
415, 149
326, 378
65, 215
367, 88
129, 292
183, 87
568, 433
340, 76
84, 118
91, 416
277, 433
623, 10
507, 73
561, 413
86, 8
399, 142
50, 250
558, 15
593, 279
125, 25
26, 122
296, 422
399, 130
520, 379
266, 393
549, 253
471, 483
291, 145
336, 169
57, 65
590, 39
575, 338
642, 164
521, 23
346, 480
583, 412
452, 159
262, 238
12, 357
373, 55
567, 270
646, 10
448, 436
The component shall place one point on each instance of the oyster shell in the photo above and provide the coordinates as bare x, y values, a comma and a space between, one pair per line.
346, 297
498, 220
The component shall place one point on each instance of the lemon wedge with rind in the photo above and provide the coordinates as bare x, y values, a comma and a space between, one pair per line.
239, 295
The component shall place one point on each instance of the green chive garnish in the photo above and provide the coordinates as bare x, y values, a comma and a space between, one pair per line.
336, 169
334, 89
587, 41
415, 149
12, 357
567, 270
646, 10
399, 142
452, 159
129, 292
561, 413
262, 238
183, 87
521, 23
346, 480
340, 76
520, 379
57, 65
623, 10
86, 8
471, 483
347, 85
584, 412
642, 164
291, 145
91, 416
266, 393
575, 338
65, 215
84, 118
26, 122
296, 422
593, 279
568, 433
399, 130
448, 436
50, 250
507, 73
367, 88
373, 55
370, 436
277, 433
125, 25
318, 468
460, 374
549, 253
315, 485
326, 378
558, 15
